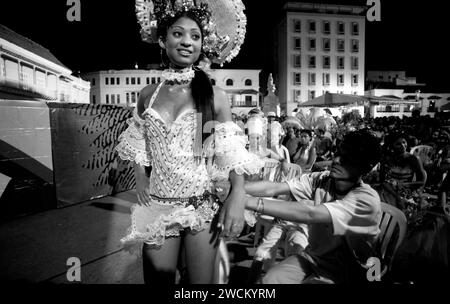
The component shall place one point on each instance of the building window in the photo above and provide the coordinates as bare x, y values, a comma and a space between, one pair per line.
312, 61
355, 63
133, 80
312, 44
340, 62
355, 28
311, 94
159, 79
326, 29
297, 43
355, 45
326, 79
297, 95
248, 82
340, 28
118, 98
311, 26
297, 78
326, 62
432, 106
340, 79
139, 80
118, 81
93, 81
311, 78
229, 82
153, 80
127, 97
127, 80
354, 79
147, 80
93, 100
213, 82
326, 44
297, 61
107, 98
340, 45
106, 80
248, 99
113, 80
113, 99
297, 26
133, 97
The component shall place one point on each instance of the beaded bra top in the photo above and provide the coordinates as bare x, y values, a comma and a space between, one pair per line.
175, 172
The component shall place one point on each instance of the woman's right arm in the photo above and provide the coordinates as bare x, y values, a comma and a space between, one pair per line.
142, 185
311, 158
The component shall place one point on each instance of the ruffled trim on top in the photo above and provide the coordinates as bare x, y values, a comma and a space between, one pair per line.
231, 154
132, 144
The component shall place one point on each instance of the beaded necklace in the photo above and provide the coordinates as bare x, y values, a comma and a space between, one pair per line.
173, 77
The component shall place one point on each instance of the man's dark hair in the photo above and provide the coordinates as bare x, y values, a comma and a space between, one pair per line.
363, 149
306, 131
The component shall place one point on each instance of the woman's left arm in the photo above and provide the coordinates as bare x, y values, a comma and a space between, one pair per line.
232, 214
419, 171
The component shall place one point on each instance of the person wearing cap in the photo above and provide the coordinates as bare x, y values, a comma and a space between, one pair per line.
342, 212
323, 145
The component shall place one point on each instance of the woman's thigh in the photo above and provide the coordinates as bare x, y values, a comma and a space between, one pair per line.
200, 256
160, 264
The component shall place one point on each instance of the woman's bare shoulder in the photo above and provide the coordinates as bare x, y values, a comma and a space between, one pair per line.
222, 104
144, 97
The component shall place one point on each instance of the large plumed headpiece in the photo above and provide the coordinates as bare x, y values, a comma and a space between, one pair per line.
222, 22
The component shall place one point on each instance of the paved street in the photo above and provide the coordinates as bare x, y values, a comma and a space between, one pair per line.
35, 248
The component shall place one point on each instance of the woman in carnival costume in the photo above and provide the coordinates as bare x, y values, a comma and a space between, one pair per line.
169, 134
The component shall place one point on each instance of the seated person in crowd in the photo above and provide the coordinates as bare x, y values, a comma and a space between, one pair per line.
400, 170
323, 145
342, 212
278, 151
306, 153
291, 142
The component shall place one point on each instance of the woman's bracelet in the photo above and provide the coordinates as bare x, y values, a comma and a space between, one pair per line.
260, 206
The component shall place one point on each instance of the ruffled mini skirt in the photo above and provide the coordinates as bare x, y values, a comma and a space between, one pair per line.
161, 219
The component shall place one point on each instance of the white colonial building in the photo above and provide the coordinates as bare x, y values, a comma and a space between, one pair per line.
122, 87
319, 48
395, 84
29, 70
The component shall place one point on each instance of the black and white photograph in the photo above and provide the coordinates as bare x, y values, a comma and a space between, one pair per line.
224, 142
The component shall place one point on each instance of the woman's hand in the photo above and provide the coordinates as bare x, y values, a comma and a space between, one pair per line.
232, 214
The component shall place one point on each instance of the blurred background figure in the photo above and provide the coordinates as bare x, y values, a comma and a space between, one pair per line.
306, 155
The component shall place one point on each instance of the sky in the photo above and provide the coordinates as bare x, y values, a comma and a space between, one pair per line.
411, 35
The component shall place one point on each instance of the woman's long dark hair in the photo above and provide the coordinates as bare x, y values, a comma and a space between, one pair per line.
201, 86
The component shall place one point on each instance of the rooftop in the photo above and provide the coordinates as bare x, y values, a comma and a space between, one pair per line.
325, 8
27, 44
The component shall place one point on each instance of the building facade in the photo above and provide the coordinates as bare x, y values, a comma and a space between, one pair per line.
320, 48
122, 87
27, 69
396, 84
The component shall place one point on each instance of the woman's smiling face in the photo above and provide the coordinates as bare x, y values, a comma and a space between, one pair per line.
183, 42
